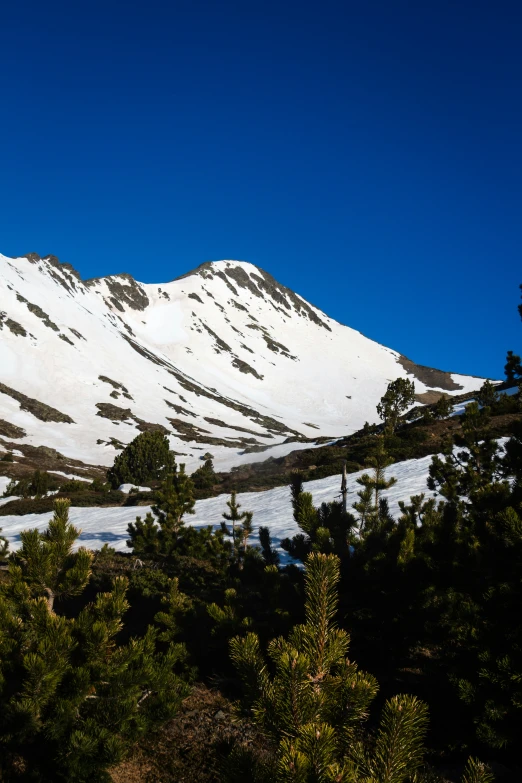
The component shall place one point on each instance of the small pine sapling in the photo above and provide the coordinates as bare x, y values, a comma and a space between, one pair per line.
327, 529
161, 530
268, 552
46, 562
368, 506
242, 527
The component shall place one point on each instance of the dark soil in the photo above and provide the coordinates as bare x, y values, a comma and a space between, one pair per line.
13, 326
244, 367
113, 412
9, 430
38, 409
429, 376
191, 748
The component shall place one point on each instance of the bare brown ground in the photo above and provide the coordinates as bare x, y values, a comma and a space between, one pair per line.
192, 747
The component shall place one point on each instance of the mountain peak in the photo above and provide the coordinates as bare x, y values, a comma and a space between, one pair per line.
224, 358
242, 276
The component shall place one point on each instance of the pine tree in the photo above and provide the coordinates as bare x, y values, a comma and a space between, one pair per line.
486, 395
146, 458
305, 514
461, 473
175, 499
268, 552
316, 703
245, 532
468, 550
163, 533
174, 603
399, 395
161, 530
326, 529
443, 407
417, 514
513, 367
489, 680
72, 700
477, 772
313, 703
242, 528
365, 507
234, 516
368, 507
205, 476
227, 618
46, 562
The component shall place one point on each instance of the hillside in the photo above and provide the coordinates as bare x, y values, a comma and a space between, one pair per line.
224, 360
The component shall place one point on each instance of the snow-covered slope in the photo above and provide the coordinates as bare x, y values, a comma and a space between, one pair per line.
225, 359
272, 509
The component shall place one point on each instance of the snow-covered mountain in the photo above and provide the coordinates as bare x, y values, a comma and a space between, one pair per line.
224, 359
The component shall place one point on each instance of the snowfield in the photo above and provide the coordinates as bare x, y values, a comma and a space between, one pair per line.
225, 359
272, 509
460, 408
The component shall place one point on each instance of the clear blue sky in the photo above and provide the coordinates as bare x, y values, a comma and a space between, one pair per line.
368, 154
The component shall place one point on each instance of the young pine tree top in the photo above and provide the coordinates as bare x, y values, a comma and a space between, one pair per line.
46, 562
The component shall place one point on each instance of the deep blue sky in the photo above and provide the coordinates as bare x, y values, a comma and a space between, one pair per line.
368, 154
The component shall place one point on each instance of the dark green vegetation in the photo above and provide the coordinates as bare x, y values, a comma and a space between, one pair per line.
513, 366
146, 458
73, 697
398, 397
98, 652
29, 493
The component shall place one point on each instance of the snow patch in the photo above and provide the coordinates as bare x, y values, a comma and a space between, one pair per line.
71, 476
126, 488
4, 481
272, 509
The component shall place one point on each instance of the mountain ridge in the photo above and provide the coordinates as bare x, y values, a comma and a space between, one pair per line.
207, 265
203, 357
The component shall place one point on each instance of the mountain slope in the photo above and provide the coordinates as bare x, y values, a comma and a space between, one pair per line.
224, 359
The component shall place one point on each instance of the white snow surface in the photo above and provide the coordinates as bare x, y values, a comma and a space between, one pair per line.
460, 407
272, 509
126, 488
4, 481
71, 476
196, 344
